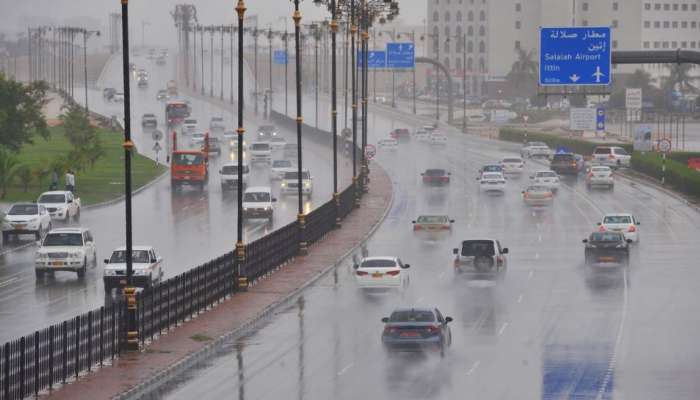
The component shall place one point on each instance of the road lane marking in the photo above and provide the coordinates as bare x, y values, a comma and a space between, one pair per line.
7, 282
345, 369
419, 300
520, 299
474, 367
529, 276
24, 246
537, 256
539, 238
503, 328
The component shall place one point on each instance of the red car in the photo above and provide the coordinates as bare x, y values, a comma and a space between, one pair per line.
436, 177
401, 134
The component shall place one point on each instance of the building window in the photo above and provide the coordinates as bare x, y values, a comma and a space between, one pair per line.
482, 65
615, 24
470, 47
684, 24
459, 63
436, 17
675, 6
694, 7
657, 24
657, 6
517, 44
482, 47
447, 16
684, 7
447, 31
584, 6
646, 45
584, 22
470, 64
647, 24
656, 45
693, 24
517, 24
674, 24
470, 16
664, 45
482, 31
447, 46
674, 44
667, 24
459, 16
692, 45
684, 45
615, 6
667, 7
482, 16
518, 7
470, 31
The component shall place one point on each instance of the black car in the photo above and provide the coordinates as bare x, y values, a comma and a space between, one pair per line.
416, 329
607, 248
566, 164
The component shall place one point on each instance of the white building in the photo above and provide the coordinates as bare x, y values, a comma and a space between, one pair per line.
495, 28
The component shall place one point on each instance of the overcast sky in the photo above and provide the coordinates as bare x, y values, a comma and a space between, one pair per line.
156, 12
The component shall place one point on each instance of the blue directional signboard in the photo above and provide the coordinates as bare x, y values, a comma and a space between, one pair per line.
375, 59
575, 56
600, 119
400, 55
280, 57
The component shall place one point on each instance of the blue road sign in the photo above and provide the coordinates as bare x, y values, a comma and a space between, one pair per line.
400, 55
600, 119
575, 56
280, 57
375, 59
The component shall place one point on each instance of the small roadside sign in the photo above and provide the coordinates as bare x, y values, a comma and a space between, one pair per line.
157, 135
600, 119
583, 119
370, 151
664, 145
280, 57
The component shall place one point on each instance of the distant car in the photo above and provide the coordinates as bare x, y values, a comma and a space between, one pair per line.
290, 183
438, 139
565, 164
432, 226
277, 143
229, 176
147, 268
258, 203
118, 97
149, 121
25, 218
66, 249
266, 132
260, 152
546, 178
611, 156
61, 204
197, 139
231, 138
417, 329
513, 166
482, 255
626, 224
491, 168
108, 93
538, 196
189, 125
214, 145
600, 176
492, 182
535, 149
279, 168
401, 134
421, 135
217, 124
390, 144
290, 151
143, 83
435, 177
162, 95
381, 273
607, 248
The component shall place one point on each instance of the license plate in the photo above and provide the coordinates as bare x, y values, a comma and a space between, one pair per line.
547, 181
18, 227
122, 281
606, 258
409, 334
377, 275
187, 178
57, 263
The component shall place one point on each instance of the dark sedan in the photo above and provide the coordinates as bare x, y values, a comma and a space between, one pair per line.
566, 164
436, 177
416, 329
603, 248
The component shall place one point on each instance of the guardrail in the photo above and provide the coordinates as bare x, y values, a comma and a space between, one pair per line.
62, 352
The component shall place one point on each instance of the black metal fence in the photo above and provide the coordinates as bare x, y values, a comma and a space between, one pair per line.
62, 352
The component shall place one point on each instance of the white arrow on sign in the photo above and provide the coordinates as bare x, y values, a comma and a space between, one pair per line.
598, 74
574, 78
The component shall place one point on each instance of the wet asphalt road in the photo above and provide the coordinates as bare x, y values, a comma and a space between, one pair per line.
187, 228
553, 329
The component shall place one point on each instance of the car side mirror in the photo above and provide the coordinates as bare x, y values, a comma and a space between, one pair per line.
356, 266
413, 222
639, 223
505, 250
599, 224
455, 251
274, 200
448, 320
106, 260
385, 319
406, 266
584, 241
452, 221
629, 240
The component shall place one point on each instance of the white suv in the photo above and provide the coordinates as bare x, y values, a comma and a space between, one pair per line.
26, 218
611, 156
290, 183
146, 264
66, 249
482, 255
260, 152
229, 176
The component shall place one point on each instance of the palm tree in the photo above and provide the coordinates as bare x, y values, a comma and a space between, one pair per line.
523, 72
8, 169
679, 78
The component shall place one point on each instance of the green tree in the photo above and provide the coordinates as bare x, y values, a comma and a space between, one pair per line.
24, 174
87, 147
40, 171
679, 78
523, 73
8, 169
21, 114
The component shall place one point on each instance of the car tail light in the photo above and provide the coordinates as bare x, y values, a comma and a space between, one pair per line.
632, 228
417, 227
362, 273
499, 261
611, 157
432, 329
445, 179
445, 227
548, 194
389, 329
393, 273
573, 163
526, 195
602, 228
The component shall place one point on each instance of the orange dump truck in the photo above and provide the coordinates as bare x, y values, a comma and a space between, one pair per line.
189, 167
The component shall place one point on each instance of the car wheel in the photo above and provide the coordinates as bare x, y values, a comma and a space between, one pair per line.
76, 217
94, 260
612, 188
5, 238
39, 274
81, 271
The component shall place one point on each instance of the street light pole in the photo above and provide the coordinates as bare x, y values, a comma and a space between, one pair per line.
201, 57
211, 61
286, 68
464, 81
194, 58
232, 30
269, 103
240, 247
255, 65
353, 54
221, 84
316, 39
334, 110
297, 42
365, 90
129, 290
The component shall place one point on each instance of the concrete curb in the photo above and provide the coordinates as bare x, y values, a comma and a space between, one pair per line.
146, 388
119, 199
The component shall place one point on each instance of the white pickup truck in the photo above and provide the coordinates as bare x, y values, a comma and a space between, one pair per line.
61, 204
147, 266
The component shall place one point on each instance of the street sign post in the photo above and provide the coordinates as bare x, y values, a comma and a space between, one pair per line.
375, 59
600, 119
633, 104
280, 57
370, 151
157, 149
575, 56
157, 135
400, 55
664, 145
583, 119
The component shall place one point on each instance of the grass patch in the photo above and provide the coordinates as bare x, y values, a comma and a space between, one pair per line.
200, 337
103, 182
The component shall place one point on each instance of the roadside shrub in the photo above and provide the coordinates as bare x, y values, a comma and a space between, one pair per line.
579, 146
678, 175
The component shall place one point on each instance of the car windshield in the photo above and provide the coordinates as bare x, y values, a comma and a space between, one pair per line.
617, 219
24, 209
537, 189
266, 129
432, 219
606, 237
537, 144
233, 169
191, 121
256, 197
52, 198
477, 248
512, 160
435, 172
620, 151
492, 168
294, 175
546, 174
260, 146
378, 263
281, 164
600, 169
492, 176
412, 316
63, 239
602, 150
187, 159
563, 157
137, 256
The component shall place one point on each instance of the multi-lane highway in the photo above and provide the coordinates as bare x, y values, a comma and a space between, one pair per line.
552, 329
187, 228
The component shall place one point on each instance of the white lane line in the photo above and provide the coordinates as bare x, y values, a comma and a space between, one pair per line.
7, 282
442, 274
529, 276
474, 367
24, 246
345, 369
537, 256
539, 238
503, 328
419, 300
520, 299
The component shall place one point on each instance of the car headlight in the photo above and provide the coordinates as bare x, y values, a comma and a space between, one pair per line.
307, 184
245, 208
75, 254
284, 184
140, 272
